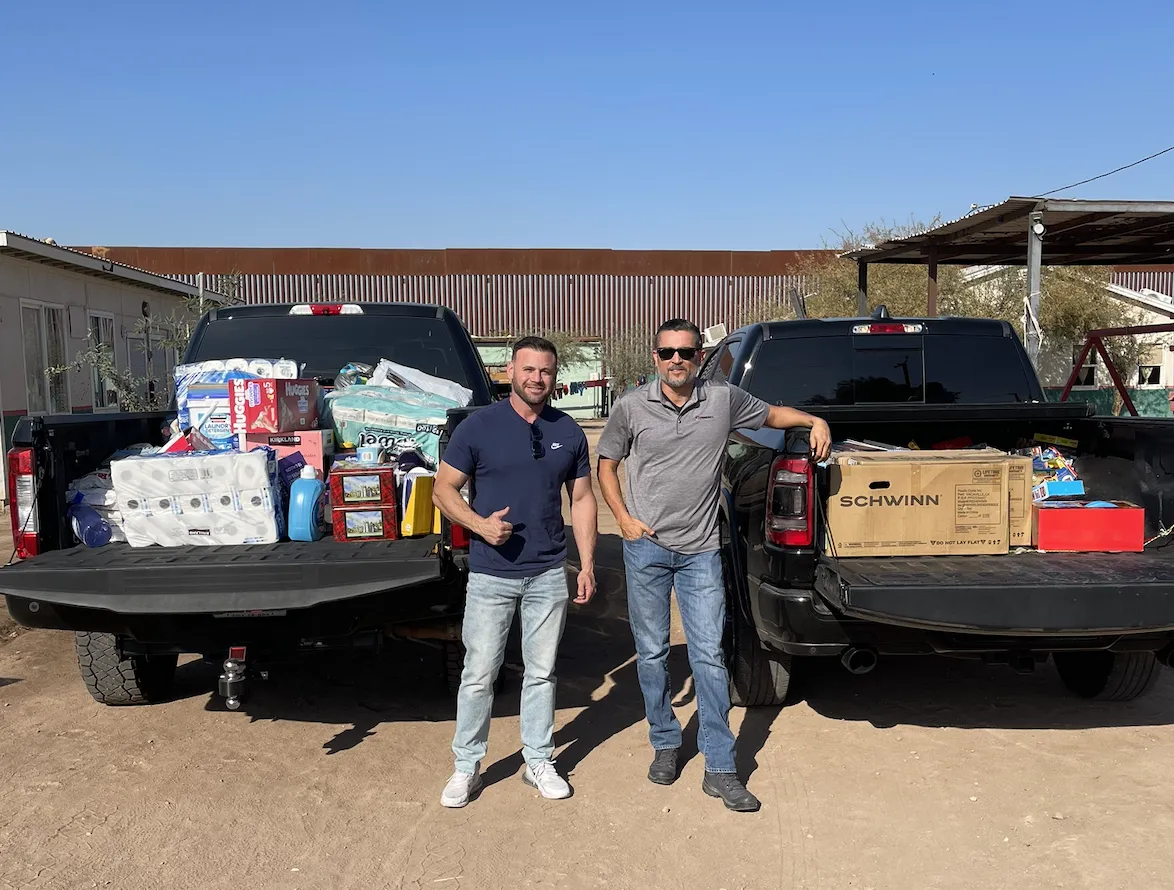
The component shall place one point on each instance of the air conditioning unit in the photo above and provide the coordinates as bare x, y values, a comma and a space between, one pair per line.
714, 335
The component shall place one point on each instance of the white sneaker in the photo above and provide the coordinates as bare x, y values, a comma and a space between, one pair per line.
460, 787
546, 779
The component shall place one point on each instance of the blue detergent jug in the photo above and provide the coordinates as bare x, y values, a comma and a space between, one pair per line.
307, 507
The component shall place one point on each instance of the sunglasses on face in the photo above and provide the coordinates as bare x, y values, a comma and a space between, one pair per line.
535, 440
687, 353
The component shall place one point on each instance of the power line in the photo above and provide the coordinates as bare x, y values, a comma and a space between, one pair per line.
1110, 173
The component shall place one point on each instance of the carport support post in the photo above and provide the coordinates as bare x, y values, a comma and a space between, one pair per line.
1032, 336
931, 291
861, 289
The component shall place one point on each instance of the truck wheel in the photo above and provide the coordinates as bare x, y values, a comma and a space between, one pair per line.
454, 663
135, 680
758, 676
1108, 676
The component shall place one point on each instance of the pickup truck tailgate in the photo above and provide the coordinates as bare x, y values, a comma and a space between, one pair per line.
1030, 593
177, 580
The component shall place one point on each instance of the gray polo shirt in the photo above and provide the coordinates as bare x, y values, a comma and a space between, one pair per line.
673, 458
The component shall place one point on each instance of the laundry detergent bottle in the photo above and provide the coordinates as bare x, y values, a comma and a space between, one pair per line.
307, 506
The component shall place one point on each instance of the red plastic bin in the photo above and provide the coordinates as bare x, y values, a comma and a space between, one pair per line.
1073, 527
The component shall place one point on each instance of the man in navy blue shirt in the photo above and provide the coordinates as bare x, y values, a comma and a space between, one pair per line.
517, 456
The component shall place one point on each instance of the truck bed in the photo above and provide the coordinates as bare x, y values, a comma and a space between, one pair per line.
184, 580
1029, 593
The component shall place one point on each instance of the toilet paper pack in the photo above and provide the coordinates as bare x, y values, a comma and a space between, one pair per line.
199, 498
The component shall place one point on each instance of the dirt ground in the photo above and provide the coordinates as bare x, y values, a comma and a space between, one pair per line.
926, 773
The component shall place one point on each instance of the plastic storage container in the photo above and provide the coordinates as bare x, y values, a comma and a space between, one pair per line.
307, 506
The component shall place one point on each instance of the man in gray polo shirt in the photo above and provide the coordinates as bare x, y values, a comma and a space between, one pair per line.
672, 434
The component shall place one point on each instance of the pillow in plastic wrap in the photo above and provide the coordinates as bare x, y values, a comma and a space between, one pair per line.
389, 373
397, 420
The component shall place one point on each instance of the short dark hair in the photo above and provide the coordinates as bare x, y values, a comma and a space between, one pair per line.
678, 324
541, 344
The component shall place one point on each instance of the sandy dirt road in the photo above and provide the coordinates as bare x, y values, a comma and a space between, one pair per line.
927, 773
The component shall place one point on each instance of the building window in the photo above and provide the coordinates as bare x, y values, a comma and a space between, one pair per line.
102, 335
43, 333
1149, 369
1087, 374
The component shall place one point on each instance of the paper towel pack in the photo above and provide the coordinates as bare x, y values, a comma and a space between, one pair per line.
200, 498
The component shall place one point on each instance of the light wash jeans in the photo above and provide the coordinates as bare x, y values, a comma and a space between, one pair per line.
489, 611
652, 573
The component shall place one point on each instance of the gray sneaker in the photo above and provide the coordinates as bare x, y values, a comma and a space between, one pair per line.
460, 787
545, 778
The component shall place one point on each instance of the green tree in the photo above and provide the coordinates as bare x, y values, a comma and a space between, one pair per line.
160, 334
1073, 300
627, 356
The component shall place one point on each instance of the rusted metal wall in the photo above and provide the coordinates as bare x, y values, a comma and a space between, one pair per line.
588, 293
582, 305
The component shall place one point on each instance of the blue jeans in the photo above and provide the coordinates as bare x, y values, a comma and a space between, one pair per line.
652, 573
490, 603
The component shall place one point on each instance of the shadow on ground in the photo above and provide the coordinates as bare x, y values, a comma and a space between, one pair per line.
597, 677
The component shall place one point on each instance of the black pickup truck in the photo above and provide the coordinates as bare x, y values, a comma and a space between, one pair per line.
134, 610
1106, 619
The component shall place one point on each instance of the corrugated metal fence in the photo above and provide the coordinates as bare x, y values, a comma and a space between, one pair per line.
582, 305
589, 293
1161, 280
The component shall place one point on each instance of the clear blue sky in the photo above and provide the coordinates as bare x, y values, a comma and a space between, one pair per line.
625, 125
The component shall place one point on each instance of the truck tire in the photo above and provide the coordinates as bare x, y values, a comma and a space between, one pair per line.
454, 664
1108, 676
135, 680
758, 676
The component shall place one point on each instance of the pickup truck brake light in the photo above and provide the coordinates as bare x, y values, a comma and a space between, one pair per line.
790, 503
326, 309
888, 327
22, 495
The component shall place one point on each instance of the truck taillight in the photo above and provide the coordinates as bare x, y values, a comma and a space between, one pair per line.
790, 503
460, 537
22, 499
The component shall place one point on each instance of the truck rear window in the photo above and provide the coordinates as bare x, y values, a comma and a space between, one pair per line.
326, 343
891, 368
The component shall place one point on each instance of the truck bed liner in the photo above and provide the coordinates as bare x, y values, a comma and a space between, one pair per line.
1029, 593
177, 580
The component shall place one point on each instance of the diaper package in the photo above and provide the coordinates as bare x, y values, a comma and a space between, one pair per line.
397, 420
215, 374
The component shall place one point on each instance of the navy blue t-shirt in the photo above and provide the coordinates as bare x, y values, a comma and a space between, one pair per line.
509, 465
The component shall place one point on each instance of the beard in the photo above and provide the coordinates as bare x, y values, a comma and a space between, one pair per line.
529, 398
677, 381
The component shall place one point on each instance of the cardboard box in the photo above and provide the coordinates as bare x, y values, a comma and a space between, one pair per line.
365, 523
363, 486
1019, 491
313, 445
418, 509
1055, 489
928, 503
266, 405
1074, 527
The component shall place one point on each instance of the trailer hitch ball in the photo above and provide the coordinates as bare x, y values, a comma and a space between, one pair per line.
232, 683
